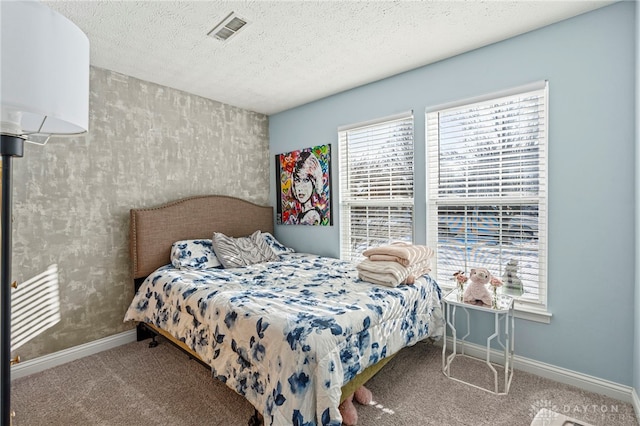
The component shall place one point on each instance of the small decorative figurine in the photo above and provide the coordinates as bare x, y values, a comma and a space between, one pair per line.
512, 283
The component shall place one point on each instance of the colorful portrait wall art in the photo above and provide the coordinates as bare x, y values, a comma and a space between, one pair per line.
304, 188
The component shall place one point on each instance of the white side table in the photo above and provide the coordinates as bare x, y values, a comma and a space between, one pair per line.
503, 314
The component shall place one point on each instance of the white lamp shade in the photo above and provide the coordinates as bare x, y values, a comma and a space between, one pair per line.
45, 70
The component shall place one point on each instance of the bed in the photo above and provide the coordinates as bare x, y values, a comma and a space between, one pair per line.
294, 335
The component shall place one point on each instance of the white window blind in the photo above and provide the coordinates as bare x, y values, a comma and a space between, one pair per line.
376, 184
487, 191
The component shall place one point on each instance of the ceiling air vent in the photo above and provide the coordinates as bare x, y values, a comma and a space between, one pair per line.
228, 27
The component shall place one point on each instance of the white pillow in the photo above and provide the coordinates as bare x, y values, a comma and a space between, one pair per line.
194, 254
244, 251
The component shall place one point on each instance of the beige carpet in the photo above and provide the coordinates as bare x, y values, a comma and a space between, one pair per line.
136, 385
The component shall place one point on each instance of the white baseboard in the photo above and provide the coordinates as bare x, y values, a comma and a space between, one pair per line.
558, 374
26, 368
636, 402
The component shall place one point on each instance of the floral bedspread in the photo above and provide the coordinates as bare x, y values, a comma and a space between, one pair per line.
288, 335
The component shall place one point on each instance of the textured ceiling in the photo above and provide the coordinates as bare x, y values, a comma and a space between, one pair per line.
294, 52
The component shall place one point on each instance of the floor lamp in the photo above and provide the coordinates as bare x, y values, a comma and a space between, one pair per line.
44, 91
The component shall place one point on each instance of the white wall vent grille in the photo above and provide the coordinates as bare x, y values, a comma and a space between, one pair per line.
228, 27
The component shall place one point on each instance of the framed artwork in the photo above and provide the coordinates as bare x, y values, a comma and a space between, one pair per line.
303, 187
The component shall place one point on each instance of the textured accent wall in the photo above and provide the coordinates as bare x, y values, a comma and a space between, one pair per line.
147, 145
636, 331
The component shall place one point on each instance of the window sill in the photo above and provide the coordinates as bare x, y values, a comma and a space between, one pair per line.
530, 313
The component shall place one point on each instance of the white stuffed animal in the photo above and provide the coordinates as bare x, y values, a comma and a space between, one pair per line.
477, 288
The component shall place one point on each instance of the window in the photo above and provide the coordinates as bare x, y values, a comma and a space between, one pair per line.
487, 196
376, 184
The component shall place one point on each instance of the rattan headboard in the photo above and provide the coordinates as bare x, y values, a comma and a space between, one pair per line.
153, 230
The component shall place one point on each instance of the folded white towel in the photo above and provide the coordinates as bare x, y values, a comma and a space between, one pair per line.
391, 273
382, 279
404, 253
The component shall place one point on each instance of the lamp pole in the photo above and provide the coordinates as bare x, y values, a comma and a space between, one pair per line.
10, 146
44, 75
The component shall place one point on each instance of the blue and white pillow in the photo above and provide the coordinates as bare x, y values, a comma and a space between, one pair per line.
277, 247
194, 254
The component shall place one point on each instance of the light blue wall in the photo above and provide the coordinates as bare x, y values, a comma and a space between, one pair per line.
590, 64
